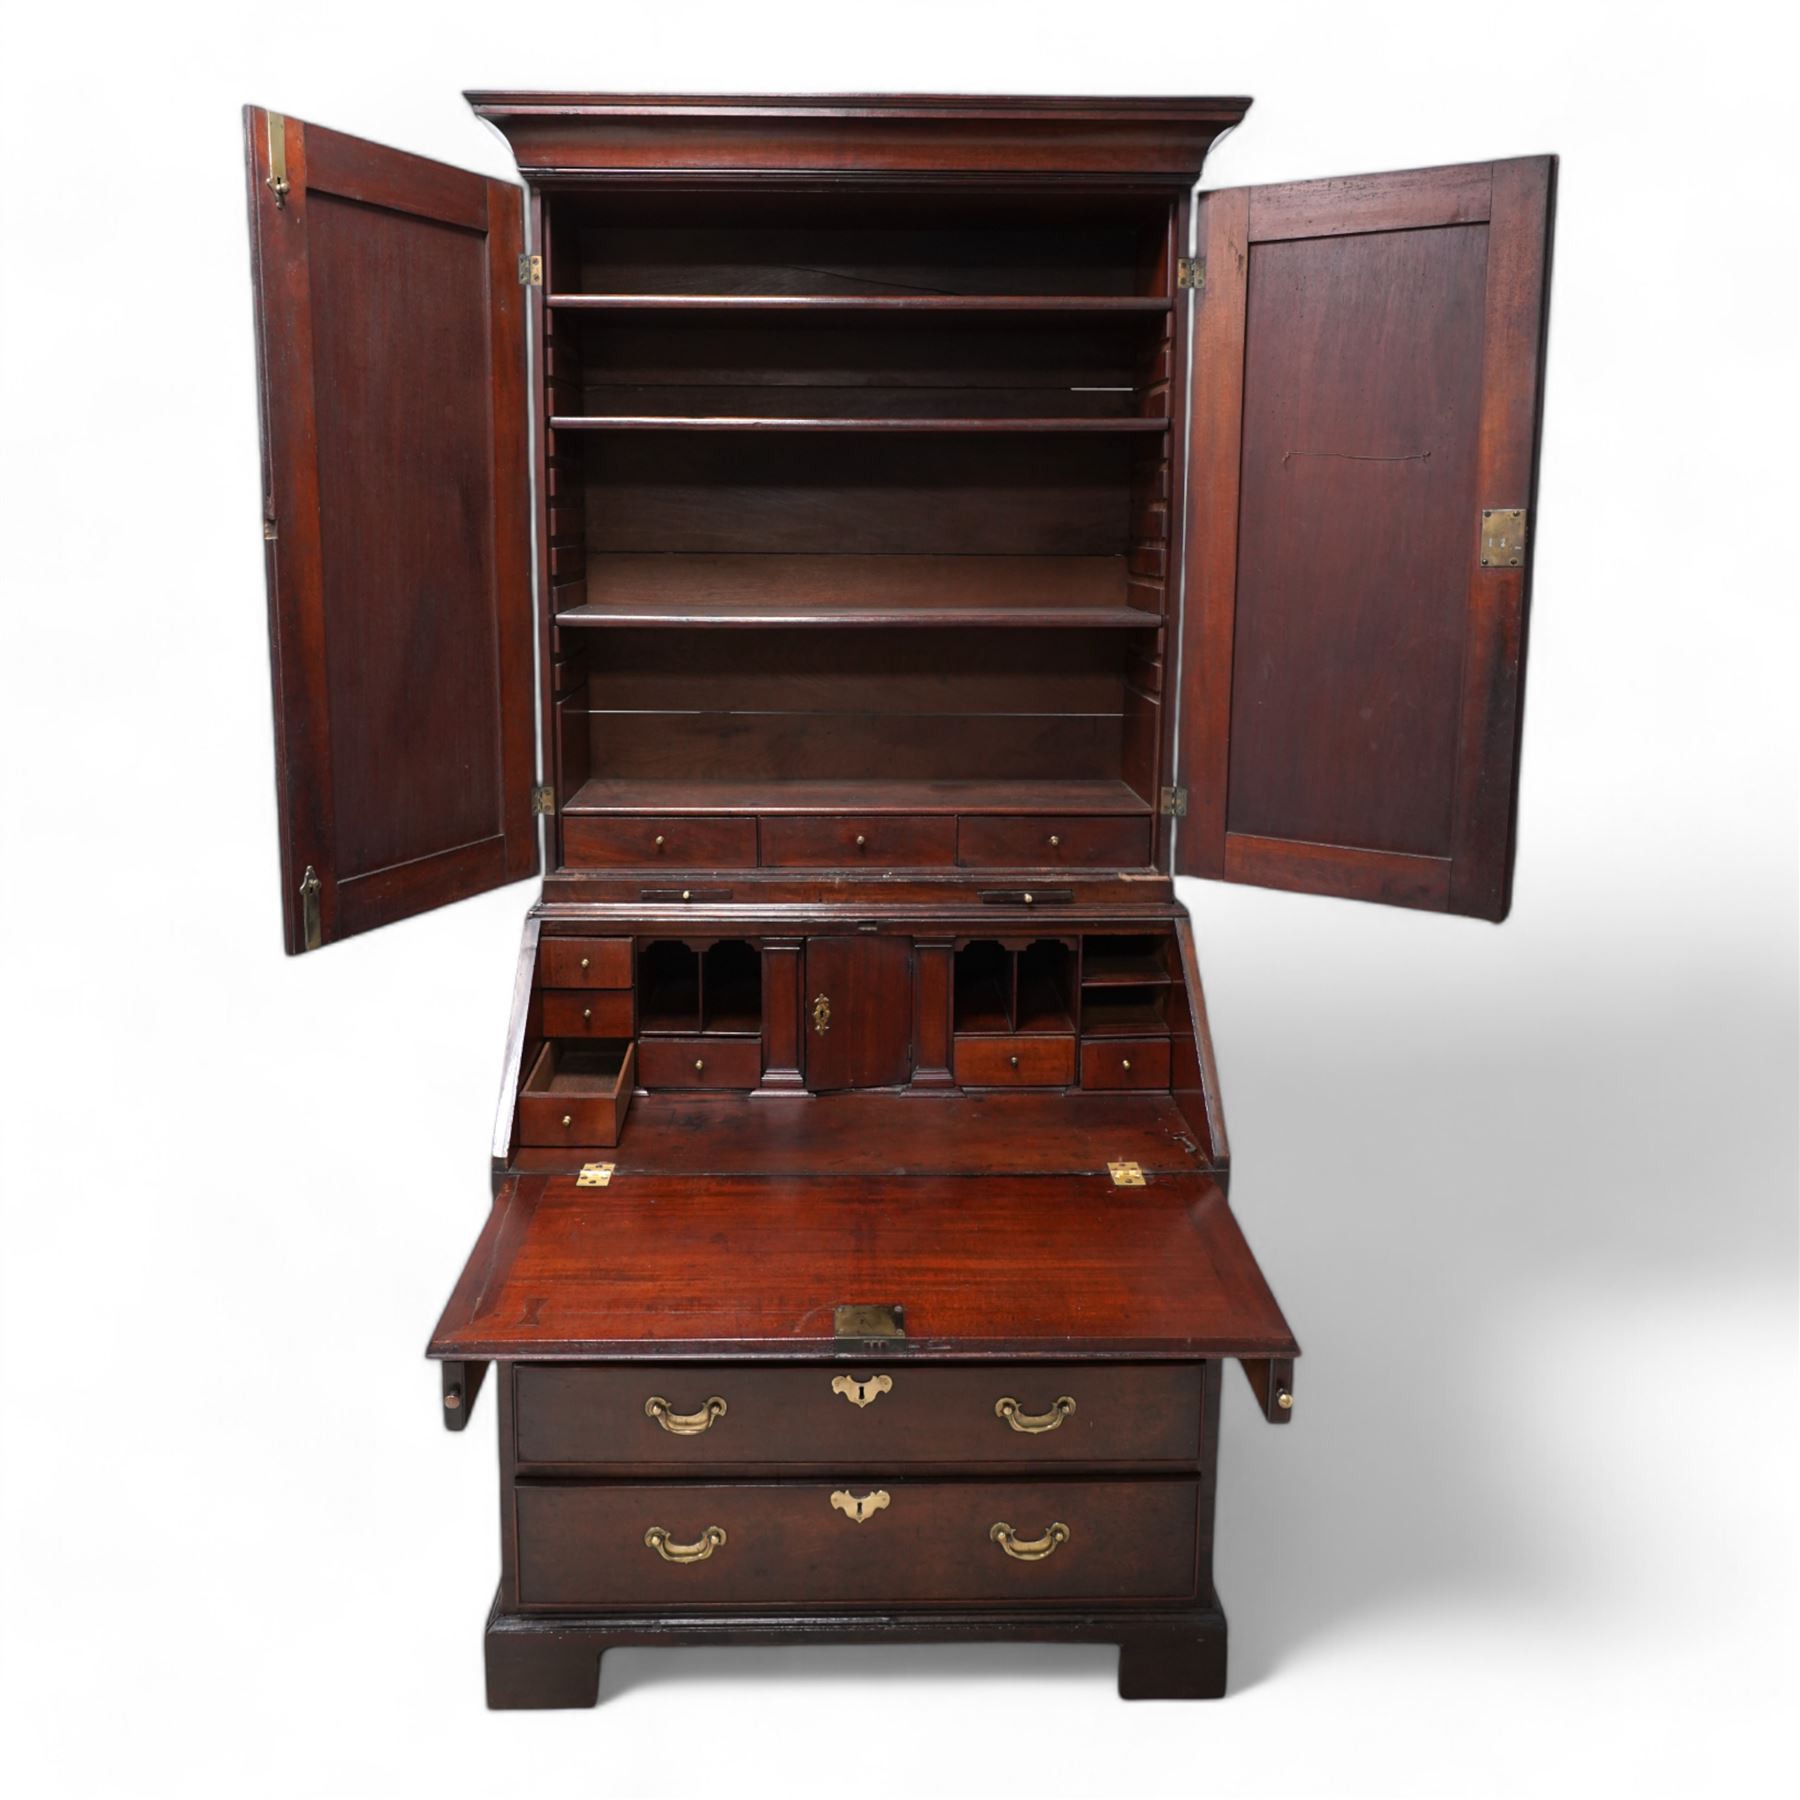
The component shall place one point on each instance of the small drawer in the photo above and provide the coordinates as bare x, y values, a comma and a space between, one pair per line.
881, 840
637, 1418
584, 962
1125, 1063
587, 1013
854, 1540
682, 843
1040, 843
1003, 1062
700, 1062
575, 1094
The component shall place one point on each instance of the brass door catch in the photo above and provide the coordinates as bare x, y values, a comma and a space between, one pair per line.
865, 1392
859, 1509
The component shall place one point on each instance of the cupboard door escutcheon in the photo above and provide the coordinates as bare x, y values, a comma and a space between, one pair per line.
391, 364
1367, 384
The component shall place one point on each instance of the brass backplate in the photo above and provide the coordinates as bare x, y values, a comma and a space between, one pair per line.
1125, 1174
595, 1174
869, 1321
1502, 537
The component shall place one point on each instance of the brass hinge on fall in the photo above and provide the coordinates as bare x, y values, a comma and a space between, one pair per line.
1125, 1174
543, 799
1190, 272
1172, 803
595, 1174
531, 271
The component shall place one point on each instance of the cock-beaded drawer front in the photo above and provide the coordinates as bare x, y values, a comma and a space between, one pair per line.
872, 1415
1041, 843
855, 1542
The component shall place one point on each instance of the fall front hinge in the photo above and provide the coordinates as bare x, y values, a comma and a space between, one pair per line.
531, 271
1172, 803
1190, 272
543, 799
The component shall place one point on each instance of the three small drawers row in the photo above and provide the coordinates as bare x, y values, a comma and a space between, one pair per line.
834, 841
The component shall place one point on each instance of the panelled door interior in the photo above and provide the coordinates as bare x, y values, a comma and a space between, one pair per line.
865, 547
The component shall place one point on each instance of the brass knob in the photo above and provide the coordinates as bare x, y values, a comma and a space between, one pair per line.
584, 962
1014, 1061
1284, 1399
587, 1015
862, 843
1027, 899
1125, 1064
699, 1064
687, 893
1054, 840
453, 1399
568, 1120
659, 840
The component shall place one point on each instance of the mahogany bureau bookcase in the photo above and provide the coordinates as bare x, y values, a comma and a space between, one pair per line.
868, 546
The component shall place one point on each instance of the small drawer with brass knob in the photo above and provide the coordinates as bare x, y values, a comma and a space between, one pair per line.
1025, 842
589, 1013
584, 962
1022, 1061
575, 1094
690, 842
1128, 1063
832, 841
700, 1062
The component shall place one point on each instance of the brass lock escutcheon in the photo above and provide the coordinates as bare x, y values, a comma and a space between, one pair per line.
684, 1424
1028, 1550
858, 1508
821, 1013
1007, 1408
711, 1539
864, 1392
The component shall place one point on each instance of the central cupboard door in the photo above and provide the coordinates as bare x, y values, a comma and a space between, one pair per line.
858, 1013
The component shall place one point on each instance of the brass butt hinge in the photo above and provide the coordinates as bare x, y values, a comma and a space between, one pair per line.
543, 799
1502, 537
1172, 803
1125, 1174
531, 271
1190, 272
595, 1174
312, 930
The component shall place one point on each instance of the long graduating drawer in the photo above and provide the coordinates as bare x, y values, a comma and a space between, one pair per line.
871, 1415
1027, 842
694, 1544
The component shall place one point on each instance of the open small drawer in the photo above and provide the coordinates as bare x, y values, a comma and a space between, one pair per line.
576, 1094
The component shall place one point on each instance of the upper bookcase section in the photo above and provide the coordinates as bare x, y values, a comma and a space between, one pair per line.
674, 138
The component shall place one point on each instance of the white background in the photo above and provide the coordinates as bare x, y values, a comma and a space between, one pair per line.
1527, 1194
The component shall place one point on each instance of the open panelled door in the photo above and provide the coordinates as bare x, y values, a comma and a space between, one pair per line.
1367, 373
391, 352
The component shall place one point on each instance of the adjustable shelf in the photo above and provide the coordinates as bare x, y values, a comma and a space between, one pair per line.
918, 305
772, 422
673, 798
1012, 592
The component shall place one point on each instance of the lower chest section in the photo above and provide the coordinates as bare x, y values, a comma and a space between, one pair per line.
827, 1485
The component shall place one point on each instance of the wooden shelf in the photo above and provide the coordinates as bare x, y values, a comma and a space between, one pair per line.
918, 305
674, 798
1011, 592
669, 422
